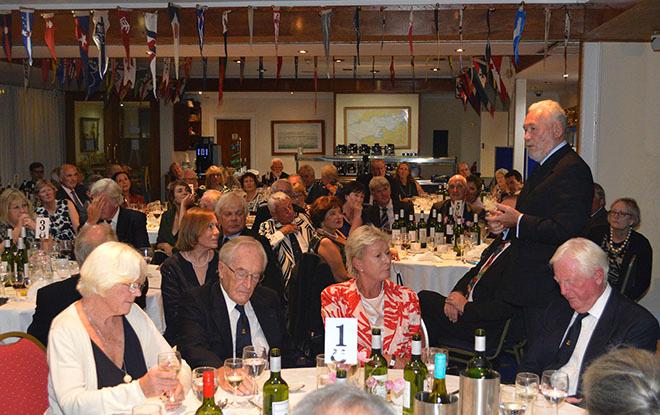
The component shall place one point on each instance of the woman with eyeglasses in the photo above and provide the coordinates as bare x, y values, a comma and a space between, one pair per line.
195, 264
103, 349
215, 179
629, 252
16, 213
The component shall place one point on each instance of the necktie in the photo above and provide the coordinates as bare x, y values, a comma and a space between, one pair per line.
295, 247
225, 240
568, 346
500, 247
243, 336
76, 200
384, 219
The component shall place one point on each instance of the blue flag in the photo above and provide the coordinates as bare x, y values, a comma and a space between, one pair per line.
518, 28
27, 23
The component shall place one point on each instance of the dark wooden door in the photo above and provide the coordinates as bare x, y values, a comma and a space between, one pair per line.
234, 142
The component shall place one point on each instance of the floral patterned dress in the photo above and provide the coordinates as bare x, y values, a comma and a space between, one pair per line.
60, 222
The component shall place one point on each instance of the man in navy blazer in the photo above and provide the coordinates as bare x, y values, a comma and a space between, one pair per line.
215, 321
590, 319
552, 207
383, 205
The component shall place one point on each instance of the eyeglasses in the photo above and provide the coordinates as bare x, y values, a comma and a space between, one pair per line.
618, 213
242, 275
135, 287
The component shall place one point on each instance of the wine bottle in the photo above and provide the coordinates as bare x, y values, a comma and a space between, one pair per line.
376, 367
439, 230
439, 390
208, 407
458, 237
449, 226
479, 367
396, 229
475, 231
414, 374
8, 254
341, 375
421, 229
276, 390
403, 227
20, 257
412, 228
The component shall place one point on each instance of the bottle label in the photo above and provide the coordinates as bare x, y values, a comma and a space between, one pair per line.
416, 348
432, 234
280, 408
422, 235
480, 343
450, 230
275, 363
406, 396
396, 234
412, 236
376, 342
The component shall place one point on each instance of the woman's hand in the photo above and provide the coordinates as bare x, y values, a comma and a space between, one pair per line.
26, 221
176, 398
188, 201
157, 381
245, 388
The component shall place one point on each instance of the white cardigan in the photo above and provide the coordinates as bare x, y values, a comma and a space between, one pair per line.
72, 387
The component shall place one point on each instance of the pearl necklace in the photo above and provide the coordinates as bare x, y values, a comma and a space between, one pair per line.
127, 378
610, 243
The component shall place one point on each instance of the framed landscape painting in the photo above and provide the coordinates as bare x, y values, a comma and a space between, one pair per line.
383, 125
288, 136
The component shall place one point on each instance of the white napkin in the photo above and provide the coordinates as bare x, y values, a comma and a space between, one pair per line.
427, 256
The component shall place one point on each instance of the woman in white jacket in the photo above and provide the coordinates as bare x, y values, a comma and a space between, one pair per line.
103, 349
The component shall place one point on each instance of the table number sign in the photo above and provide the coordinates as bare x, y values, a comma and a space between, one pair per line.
341, 340
42, 228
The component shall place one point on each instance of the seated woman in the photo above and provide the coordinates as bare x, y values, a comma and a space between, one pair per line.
327, 218
371, 297
299, 195
214, 178
103, 349
352, 198
625, 248
499, 188
178, 195
405, 186
195, 264
174, 173
64, 219
16, 213
131, 198
254, 196
472, 196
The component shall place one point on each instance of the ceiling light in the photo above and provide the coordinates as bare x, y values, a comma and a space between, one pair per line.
291, 92
199, 92
339, 60
565, 76
121, 104
435, 69
374, 71
302, 51
459, 50
262, 70
237, 61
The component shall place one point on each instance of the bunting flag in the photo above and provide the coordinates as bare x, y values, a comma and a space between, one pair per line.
250, 14
27, 23
567, 35
356, 25
60, 73
355, 65
316, 83
460, 37
546, 33
276, 26
279, 68
496, 68
165, 79
436, 20
151, 27
94, 79
110, 81
412, 65
470, 90
459, 92
5, 22
295, 68
225, 30
410, 31
221, 76
181, 84
146, 84
130, 73
49, 33
326, 17
488, 54
173, 10
479, 79
241, 67
392, 74
101, 26
200, 13
81, 20
125, 32
26, 73
383, 23
261, 68
518, 28
333, 67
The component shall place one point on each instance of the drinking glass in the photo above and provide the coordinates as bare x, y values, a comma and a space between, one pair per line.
147, 253
65, 248
428, 357
198, 380
527, 387
147, 408
322, 372
554, 387
513, 408
234, 376
170, 362
254, 360
20, 283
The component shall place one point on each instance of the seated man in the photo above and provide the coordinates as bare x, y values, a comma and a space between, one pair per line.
458, 188
129, 225
377, 168
263, 214
217, 321
71, 189
276, 172
590, 319
209, 199
231, 212
598, 211
326, 186
478, 300
54, 298
381, 213
514, 182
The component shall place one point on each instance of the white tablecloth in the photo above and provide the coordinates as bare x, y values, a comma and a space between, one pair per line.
428, 272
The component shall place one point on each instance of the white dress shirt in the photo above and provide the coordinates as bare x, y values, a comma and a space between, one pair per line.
113, 221
572, 367
256, 333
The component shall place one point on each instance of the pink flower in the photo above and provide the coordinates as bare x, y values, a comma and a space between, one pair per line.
371, 382
362, 356
332, 377
389, 385
397, 385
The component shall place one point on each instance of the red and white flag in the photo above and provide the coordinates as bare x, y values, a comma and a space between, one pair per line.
49, 33
173, 10
125, 31
151, 27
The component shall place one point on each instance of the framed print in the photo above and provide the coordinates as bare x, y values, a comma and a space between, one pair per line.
89, 134
383, 125
288, 136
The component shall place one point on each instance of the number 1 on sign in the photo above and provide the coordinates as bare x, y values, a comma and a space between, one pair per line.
341, 340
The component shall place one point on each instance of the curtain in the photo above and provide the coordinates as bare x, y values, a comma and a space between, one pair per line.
31, 129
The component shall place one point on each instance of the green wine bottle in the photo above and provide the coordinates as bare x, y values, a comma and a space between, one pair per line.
439, 390
412, 228
396, 229
376, 367
403, 227
449, 226
276, 390
208, 407
341, 375
20, 257
430, 226
421, 229
414, 374
479, 367
475, 231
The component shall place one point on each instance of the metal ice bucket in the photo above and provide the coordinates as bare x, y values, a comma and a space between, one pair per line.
421, 407
479, 396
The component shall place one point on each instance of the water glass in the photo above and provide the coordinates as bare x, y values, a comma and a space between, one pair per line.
198, 380
428, 357
234, 373
513, 408
554, 387
527, 387
323, 376
255, 361
60, 268
169, 362
147, 253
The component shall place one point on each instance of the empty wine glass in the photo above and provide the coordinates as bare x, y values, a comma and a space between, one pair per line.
255, 361
170, 362
527, 387
233, 368
513, 408
554, 387
147, 253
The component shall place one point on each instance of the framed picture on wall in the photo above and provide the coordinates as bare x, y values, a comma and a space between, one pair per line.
383, 125
288, 136
89, 135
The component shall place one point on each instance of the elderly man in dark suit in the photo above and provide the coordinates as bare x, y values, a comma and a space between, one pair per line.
216, 321
231, 212
54, 298
377, 168
72, 190
129, 225
381, 212
457, 187
590, 319
552, 207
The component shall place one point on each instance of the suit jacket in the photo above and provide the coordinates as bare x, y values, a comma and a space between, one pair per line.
204, 334
221, 238
268, 179
81, 192
622, 323
443, 208
132, 228
598, 219
555, 202
316, 190
263, 214
371, 214
54, 298
366, 178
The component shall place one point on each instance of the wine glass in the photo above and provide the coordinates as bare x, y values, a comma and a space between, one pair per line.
147, 253
20, 282
513, 408
198, 380
170, 362
527, 386
554, 387
65, 248
254, 359
234, 376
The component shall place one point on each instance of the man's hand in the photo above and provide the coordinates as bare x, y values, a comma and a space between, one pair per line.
245, 388
502, 218
451, 312
457, 300
289, 228
95, 208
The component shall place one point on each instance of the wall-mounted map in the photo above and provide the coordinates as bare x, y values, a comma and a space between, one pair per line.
383, 125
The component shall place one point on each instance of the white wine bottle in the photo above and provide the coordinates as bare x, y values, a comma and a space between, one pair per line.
439, 390
414, 374
208, 407
276, 390
479, 367
376, 367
